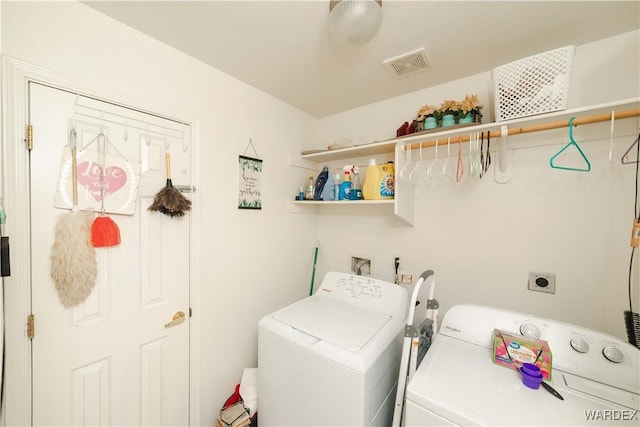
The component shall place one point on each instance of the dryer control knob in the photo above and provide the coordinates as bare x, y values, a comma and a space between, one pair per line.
613, 354
579, 345
356, 290
530, 330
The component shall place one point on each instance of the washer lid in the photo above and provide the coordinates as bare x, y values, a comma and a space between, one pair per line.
344, 325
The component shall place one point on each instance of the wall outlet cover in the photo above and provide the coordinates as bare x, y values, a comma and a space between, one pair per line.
542, 282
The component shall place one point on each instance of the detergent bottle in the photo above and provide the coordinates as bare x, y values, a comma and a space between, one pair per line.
345, 186
379, 181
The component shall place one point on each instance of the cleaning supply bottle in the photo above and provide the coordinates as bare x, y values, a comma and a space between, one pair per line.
356, 187
323, 176
308, 190
336, 186
379, 181
328, 190
345, 186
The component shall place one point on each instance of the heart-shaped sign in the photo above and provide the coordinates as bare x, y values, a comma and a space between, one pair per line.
89, 177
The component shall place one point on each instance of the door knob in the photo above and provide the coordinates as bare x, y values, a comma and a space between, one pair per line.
178, 318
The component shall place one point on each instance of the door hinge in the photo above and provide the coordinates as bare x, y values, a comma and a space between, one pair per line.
190, 312
29, 137
31, 326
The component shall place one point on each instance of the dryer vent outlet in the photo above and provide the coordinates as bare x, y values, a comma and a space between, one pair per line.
361, 266
542, 282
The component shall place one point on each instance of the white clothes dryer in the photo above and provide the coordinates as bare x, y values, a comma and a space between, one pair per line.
596, 375
332, 358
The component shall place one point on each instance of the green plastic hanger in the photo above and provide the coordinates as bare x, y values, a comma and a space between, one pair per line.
573, 143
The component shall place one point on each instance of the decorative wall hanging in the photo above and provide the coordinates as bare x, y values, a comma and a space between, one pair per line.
119, 177
249, 180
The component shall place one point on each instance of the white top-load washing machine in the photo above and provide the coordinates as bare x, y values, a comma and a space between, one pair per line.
332, 358
457, 383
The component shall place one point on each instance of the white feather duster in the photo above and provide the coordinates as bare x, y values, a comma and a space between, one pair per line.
73, 258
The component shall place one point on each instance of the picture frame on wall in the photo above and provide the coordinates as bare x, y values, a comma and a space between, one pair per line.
249, 181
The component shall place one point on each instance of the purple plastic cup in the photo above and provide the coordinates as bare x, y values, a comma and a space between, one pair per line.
531, 376
530, 369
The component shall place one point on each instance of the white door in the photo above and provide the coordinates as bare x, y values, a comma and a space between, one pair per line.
110, 360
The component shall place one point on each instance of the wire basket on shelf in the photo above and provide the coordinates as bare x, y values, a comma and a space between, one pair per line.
533, 85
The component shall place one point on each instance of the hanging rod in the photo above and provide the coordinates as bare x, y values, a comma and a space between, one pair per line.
93, 98
558, 124
167, 132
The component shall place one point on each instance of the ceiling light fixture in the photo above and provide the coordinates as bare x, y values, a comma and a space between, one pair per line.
355, 21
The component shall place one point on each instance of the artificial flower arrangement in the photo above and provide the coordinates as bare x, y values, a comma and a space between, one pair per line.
449, 107
426, 111
470, 104
468, 108
465, 111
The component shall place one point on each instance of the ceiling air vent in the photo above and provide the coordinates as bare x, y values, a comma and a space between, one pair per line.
408, 63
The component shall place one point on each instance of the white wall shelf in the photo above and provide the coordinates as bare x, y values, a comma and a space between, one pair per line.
404, 203
344, 202
387, 146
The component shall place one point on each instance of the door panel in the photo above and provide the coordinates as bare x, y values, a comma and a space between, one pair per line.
110, 360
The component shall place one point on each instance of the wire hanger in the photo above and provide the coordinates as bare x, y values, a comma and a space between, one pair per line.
433, 162
611, 132
573, 143
460, 165
405, 168
481, 154
447, 171
487, 159
412, 176
625, 157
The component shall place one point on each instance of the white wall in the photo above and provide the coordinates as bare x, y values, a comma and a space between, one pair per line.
252, 261
483, 238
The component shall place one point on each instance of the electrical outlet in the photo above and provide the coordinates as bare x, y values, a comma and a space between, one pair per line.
361, 266
542, 282
404, 278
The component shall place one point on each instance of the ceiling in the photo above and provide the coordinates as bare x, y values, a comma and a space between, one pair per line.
284, 47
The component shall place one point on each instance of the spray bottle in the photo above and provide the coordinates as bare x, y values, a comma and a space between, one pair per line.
356, 187
345, 186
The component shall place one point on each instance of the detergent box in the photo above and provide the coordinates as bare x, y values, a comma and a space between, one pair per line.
512, 350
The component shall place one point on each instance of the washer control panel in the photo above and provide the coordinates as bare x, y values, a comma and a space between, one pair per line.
360, 286
364, 292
